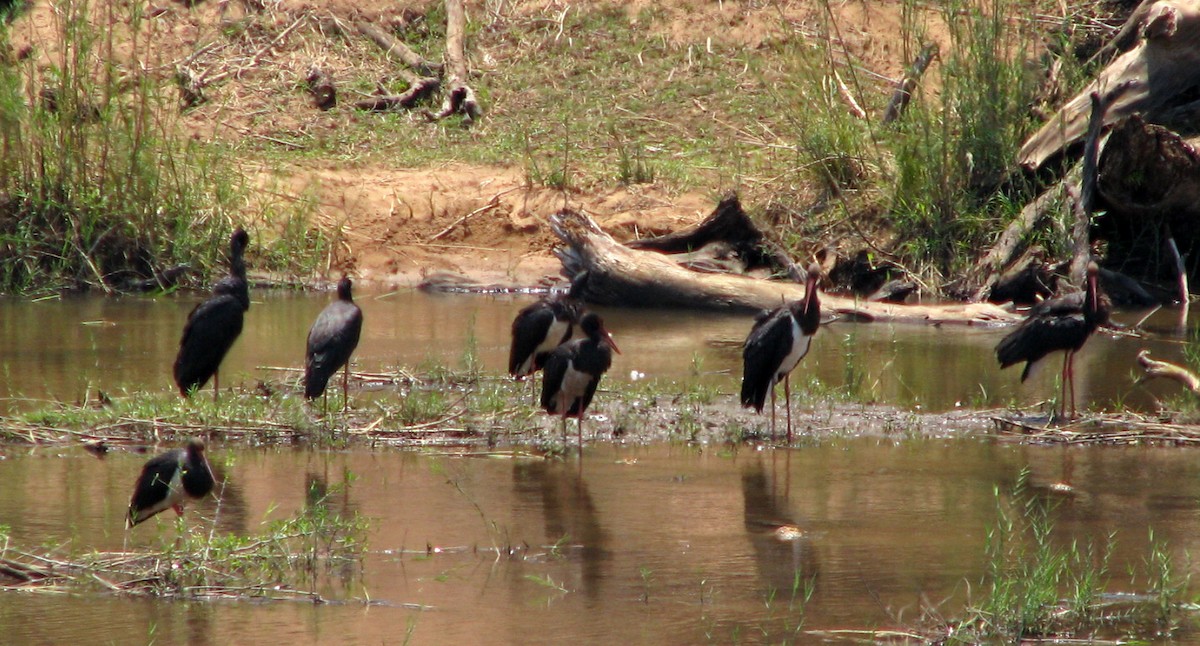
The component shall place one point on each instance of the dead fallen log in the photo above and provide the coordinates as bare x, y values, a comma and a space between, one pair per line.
460, 98
397, 50
730, 225
407, 99
998, 261
320, 85
1162, 369
422, 78
1026, 281
904, 89
625, 277
1148, 170
1156, 78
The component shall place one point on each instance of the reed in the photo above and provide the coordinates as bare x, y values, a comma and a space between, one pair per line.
100, 188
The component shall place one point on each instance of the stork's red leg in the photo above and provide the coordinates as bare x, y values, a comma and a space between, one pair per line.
772, 411
787, 403
1064, 379
1071, 378
346, 388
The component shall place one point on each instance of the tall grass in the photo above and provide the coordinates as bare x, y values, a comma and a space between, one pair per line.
942, 179
97, 185
954, 154
1035, 587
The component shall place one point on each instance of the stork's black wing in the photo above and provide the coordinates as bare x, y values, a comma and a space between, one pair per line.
210, 331
153, 486
553, 373
767, 344
529, 330
331, 340
1053, 325
593, 359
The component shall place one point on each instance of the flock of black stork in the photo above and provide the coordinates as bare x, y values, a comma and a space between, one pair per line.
543, 338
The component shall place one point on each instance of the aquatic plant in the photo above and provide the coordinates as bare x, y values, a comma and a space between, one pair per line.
1033, 588
195, 564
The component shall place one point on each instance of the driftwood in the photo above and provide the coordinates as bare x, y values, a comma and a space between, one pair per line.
407, 99
904, 89
896, 290
398, 51
320, 85
1162, 369
1025, 281
996, 262
419, 76
1140, 176
192, 83
729, 225
1148, 170
460, 98
628, 277
1162, 72
1149, 187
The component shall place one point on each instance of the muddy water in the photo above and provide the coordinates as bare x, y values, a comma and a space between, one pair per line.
662, 544
60, 349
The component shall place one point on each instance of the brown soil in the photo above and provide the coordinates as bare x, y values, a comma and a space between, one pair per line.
401, 223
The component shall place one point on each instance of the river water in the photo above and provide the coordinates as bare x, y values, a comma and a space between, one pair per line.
60, 349
660, 544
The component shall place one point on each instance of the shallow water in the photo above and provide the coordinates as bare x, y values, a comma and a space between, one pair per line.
659, 544
663, 544
61, 349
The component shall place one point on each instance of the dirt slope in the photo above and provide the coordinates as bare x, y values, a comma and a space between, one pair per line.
395, 224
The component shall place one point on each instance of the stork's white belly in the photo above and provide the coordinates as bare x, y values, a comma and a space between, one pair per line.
553, 336
575, 383
799, 349
573, 386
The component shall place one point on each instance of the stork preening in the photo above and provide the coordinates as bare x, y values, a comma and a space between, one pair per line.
573, 370
1059, 324
775, 345
542, 326
213, 325
331, 340
168, 481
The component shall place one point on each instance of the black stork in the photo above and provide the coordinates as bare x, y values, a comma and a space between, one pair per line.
777, 342
213, 325
542, 326
573, 370
1062, 323
331, 340
168, 480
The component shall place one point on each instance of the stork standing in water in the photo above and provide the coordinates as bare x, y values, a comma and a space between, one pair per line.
572, 372
1064, 323
542, 326
213, 326
168, 480
331, 340
776, 343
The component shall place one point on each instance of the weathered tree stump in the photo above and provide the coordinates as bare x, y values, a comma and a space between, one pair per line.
729, 225
320, 86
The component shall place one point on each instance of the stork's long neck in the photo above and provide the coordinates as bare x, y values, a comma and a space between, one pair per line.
809, 313
237, 264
